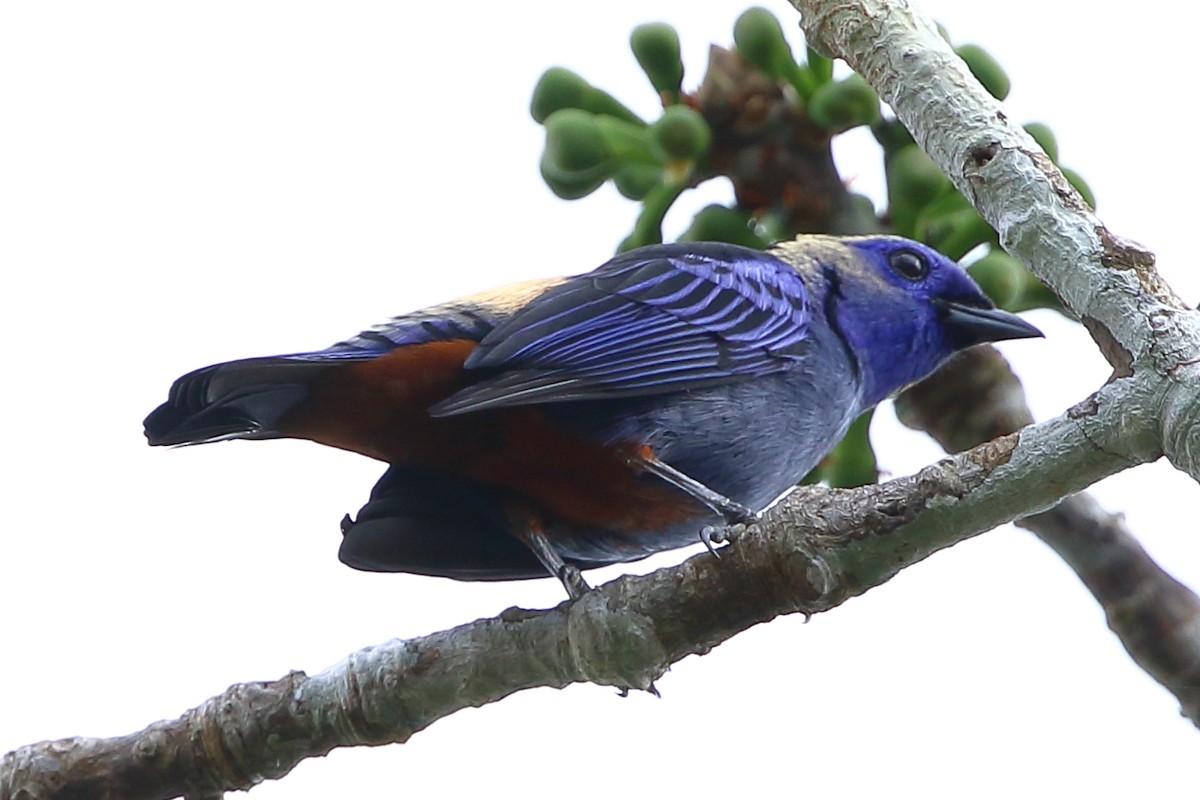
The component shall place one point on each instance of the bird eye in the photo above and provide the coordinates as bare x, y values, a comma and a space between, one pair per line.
908, 265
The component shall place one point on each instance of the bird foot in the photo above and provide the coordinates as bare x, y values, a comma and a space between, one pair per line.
723, 534
720, 535
572, 580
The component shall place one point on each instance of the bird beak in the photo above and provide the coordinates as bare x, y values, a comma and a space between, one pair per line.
970, 325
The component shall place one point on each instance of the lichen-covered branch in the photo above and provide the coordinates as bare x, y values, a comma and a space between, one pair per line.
779, 162
1145, 332
1110, 283
813, 551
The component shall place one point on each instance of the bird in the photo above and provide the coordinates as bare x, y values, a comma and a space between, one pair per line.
553, 426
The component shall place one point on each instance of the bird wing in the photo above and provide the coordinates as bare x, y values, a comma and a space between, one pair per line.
247, 398
656, 320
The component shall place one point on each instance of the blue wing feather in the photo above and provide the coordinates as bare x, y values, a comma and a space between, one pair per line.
659, 319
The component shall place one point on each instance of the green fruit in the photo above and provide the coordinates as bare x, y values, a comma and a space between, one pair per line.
852, 463
625, 141
820, 66
914, 181
655, 45
959, 232
771, 227
1000, 276
1081, 186
635, 181
1035, 294
647, 229
891, 135
680, 134
1042, 134
558, 88
985, 69
599, 101
843, 105
574, 142
760, 42
717, 223
947, 202
857, 215
571, 185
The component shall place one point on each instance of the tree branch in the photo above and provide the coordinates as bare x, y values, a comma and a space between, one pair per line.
1144, 330
976, 397
1155, 616
813, 552
1110, 283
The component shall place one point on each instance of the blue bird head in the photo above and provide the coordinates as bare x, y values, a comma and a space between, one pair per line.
903, 308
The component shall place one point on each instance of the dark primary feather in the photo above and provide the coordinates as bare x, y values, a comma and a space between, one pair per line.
247, 398
241, 399
661, 319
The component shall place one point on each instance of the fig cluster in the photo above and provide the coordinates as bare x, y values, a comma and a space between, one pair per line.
592, 138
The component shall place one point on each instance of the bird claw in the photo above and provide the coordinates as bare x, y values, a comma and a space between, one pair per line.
708, 534
723, 534
728, 534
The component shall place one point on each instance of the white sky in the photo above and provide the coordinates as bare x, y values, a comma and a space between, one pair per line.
188, 183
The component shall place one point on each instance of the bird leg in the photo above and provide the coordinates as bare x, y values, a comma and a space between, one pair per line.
737, 516
528, 527
570, 577
733, 512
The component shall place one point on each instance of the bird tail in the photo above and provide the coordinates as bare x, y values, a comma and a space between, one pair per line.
235, 400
